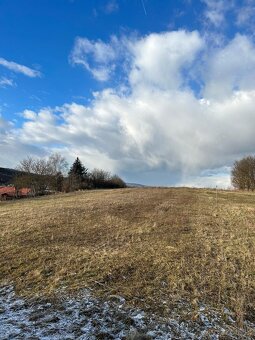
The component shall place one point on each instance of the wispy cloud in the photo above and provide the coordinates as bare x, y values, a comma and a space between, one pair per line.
111, 7
95, 56
18, 68
245, 14
5, 82
216, 10
242, 13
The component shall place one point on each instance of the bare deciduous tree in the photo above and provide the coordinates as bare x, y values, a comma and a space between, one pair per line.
41, 174
243, 174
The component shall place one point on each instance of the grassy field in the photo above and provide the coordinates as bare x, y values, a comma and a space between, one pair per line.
154, 246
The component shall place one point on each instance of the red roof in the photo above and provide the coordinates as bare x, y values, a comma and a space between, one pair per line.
12, 191
7, 190
24, 191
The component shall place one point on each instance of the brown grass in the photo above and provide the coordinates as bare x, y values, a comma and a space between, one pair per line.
148, 245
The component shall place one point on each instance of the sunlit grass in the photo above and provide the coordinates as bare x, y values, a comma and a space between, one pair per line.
155, 247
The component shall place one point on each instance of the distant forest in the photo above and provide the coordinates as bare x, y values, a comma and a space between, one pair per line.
7, 175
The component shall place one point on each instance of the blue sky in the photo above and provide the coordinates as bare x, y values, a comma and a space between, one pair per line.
161, 92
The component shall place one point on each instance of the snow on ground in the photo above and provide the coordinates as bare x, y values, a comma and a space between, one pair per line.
86, 317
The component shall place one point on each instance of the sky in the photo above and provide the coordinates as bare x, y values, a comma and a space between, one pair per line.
160, 92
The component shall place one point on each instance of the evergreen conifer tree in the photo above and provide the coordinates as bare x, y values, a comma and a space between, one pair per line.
78, 175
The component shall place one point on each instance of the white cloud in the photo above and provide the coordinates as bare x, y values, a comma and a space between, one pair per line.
38, 126
158, 59
245, 14
95, 56
4, 125
15, 151
111, 7
217, 179
230, 68
156, 124
217, 14
27, 71
150, 130
5, 82
216, 10
29, 114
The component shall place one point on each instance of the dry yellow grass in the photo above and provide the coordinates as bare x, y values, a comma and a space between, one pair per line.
148, 245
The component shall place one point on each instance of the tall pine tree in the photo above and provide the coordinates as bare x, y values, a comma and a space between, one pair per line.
78, 176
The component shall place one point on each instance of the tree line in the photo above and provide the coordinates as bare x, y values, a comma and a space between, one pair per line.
46, 175
243, 174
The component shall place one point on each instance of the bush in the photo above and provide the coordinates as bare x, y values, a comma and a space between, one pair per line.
101, 179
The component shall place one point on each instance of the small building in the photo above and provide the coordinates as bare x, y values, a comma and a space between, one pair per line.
10, 192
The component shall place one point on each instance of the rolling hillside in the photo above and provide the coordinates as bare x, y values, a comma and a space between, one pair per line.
6, 175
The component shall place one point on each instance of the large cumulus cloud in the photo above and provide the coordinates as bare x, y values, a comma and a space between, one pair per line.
157, 125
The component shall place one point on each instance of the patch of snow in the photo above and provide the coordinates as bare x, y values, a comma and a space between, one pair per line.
88, 318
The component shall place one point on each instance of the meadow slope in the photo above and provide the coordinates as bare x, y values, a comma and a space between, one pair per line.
155, 247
